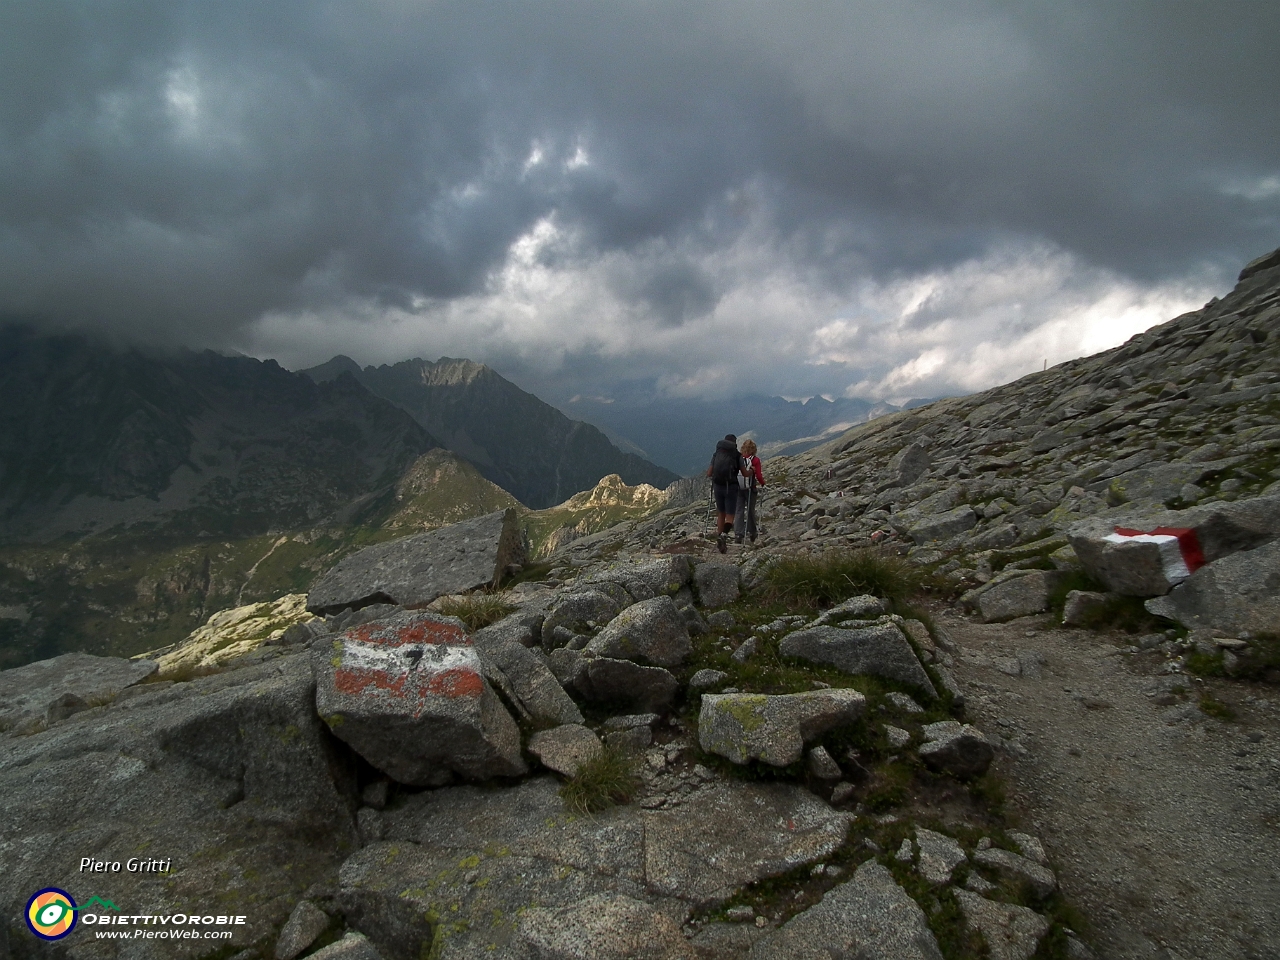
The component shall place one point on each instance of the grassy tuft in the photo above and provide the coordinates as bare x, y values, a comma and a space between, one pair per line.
815, 582
1213, 707
608, 778
477, 610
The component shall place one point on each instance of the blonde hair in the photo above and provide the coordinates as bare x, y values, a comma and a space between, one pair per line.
748, 447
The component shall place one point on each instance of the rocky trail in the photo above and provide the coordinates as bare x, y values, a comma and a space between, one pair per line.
1163, 821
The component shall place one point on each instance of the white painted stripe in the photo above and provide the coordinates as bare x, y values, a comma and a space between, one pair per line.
422, 658
1171, 561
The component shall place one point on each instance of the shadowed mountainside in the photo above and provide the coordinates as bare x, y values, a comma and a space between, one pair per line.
525, 446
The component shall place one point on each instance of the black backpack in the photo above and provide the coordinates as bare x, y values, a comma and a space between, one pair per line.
724, 465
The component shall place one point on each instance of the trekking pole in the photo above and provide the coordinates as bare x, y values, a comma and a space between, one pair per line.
711, 506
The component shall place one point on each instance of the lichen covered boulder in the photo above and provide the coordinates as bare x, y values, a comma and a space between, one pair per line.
774, 729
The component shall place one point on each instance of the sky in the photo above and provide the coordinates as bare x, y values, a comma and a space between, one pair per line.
691, 198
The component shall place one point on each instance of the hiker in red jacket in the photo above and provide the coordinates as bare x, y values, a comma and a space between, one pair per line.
744, 520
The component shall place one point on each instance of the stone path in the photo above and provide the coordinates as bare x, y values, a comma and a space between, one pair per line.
1163, 822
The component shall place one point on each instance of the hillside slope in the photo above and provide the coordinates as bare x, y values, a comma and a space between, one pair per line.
197, 444
525, 446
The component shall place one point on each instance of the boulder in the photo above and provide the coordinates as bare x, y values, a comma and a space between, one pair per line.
958, 749
305, 924
881, 650
1037, 876
523, 627
1082, 606
1010, 931
528, 681
943, 526
413, 571
717, 583
1019, 596
576, 612
869, 917
1150, 566
353, 946
939, 856
408, 694
644, 579
650, 632
1233, 595
773, 729
29, 694
601, 927
626, 684
565, 748
706, 677
907, 466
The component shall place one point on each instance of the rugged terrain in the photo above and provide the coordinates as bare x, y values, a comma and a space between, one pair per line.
940, 769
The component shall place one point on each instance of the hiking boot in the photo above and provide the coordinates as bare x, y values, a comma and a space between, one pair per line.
720, 543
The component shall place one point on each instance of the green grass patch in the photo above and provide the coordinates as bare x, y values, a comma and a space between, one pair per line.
607, 779
814, 582
1205, 664
476, 610
1212, 707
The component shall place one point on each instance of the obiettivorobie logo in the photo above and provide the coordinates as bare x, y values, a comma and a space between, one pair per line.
51, 913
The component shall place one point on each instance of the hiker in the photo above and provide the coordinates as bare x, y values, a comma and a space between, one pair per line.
744, 520
726, 467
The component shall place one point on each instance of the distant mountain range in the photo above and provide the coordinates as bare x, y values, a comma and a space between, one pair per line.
681, 434
194, 443
522, 444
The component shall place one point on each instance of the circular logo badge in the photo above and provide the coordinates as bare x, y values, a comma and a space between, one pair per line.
51, 913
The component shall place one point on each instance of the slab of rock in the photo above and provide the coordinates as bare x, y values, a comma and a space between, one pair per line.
958, 749
565, 748
413, 571
862, 607
232, 776
300, 931
528, 679
602, 927
1011, 932
943, 526
1238, 593
1040, 878
1020, 596
717, 583
28, 692
730, 834
625, 684
576, 611
823, 766
939, 856
480, 857
773, 729
651, 632
869, 917
408, 694
881, 650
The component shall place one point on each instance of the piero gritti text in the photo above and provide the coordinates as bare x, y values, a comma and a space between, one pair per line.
132, 865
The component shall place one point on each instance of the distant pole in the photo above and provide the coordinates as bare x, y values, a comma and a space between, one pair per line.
1046, 365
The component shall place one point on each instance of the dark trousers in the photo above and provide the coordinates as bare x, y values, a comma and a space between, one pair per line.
744, 520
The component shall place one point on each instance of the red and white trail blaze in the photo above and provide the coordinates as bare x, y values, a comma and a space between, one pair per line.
1180, 553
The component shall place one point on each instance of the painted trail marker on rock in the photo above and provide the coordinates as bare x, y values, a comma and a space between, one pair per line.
1179, 549
409, 695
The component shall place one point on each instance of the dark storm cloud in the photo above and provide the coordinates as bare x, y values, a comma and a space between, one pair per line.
181, 169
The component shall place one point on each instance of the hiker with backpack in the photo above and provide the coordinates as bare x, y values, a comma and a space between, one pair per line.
726, 467
749, 480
